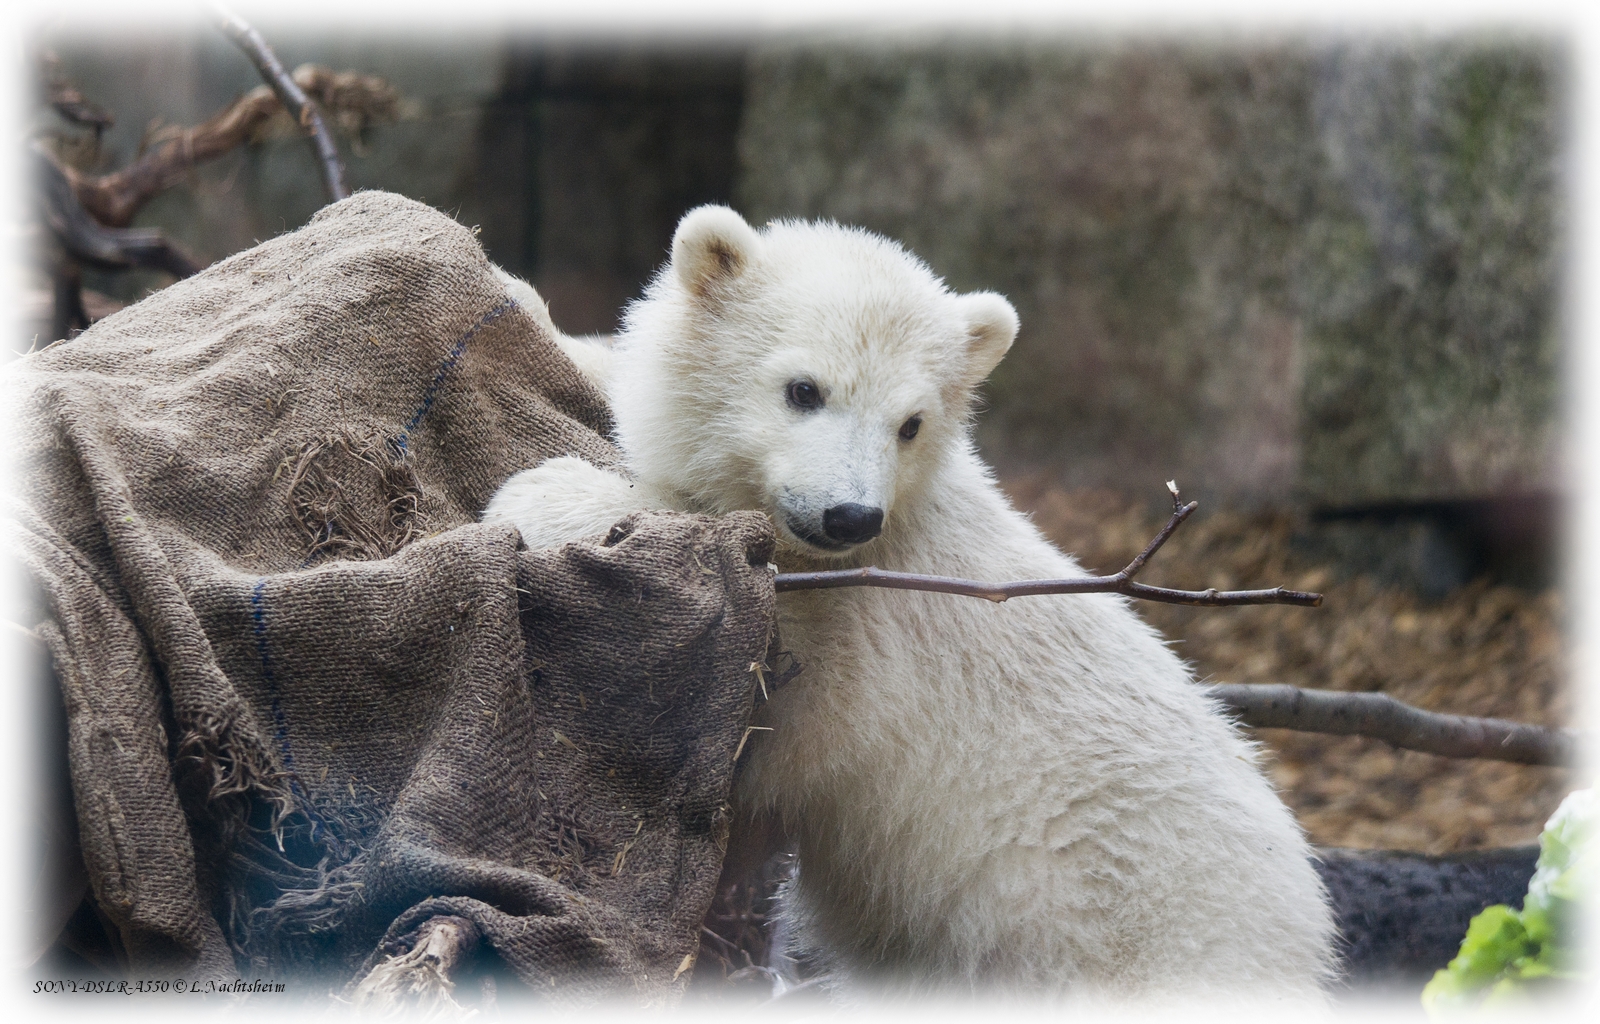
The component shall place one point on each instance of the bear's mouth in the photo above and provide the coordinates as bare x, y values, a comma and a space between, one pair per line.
812, 538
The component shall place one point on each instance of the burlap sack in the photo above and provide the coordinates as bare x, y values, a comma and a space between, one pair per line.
310, 702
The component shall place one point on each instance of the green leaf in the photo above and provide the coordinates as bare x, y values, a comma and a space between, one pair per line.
1506, 953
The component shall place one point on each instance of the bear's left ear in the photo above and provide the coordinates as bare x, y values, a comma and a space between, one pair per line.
712, 246
991, 328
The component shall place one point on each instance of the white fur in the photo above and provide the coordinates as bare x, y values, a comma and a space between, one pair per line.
1033, 794
595, 500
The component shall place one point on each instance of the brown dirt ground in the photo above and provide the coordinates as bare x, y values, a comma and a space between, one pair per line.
1483, 650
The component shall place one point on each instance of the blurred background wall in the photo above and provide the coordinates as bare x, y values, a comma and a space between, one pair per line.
1324, 272
1328, 269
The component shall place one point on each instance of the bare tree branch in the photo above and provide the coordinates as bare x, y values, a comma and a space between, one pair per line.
1119, 583
86, 241
85, 211
113, 199
294, 99
1380, 716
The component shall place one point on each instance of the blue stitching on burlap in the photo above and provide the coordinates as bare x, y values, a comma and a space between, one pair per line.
258, 611
258, 604
449, 364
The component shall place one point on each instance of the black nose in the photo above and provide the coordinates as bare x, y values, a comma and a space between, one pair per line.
852, 524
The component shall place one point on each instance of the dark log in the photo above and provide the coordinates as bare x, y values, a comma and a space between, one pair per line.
1401, 916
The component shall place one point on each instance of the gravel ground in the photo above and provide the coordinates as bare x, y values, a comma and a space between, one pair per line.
1481, 650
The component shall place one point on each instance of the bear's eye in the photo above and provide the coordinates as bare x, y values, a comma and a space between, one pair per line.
909, 428
803, 394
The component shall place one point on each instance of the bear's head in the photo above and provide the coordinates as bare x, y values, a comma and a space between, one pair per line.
817, 372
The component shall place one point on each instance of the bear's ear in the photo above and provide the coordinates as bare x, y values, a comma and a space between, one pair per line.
991, 328
712, 246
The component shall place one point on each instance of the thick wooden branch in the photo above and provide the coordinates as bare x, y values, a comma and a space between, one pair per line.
300, 106
113, 199
1380, 716
88, 242
1119, 583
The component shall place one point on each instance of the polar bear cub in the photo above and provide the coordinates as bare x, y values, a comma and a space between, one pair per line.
1031, 796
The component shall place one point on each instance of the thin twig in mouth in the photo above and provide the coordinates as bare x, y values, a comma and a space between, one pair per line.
1122, 582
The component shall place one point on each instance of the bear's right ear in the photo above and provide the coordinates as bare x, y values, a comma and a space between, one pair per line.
991, 328
712, 246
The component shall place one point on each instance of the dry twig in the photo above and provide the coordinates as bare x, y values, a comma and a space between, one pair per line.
1119, 583
1380, 716
294, 99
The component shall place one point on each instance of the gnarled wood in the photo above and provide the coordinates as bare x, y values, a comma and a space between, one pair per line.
87, 241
